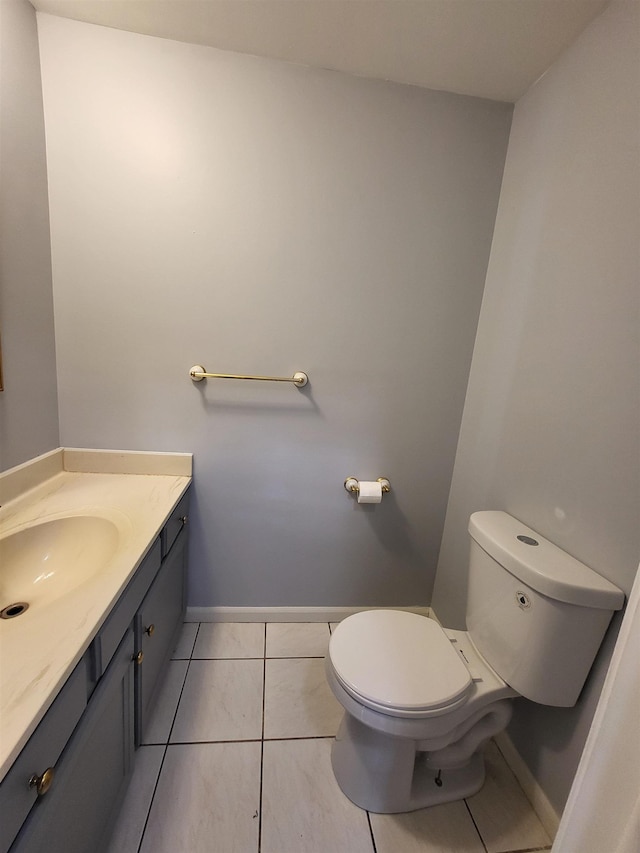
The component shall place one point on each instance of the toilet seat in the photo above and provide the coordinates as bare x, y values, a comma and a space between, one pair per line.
398, 663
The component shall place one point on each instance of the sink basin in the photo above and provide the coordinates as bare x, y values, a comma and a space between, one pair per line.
46, 560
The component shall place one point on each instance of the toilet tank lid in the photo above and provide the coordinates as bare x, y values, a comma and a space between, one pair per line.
542, 566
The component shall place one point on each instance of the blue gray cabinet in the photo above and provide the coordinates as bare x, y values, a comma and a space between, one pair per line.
88, 735
158, 623
92, 774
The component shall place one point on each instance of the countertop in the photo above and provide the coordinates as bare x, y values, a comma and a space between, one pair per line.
40, 648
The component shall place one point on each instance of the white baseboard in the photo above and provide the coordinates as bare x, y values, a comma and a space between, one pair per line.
549, 818
283, 614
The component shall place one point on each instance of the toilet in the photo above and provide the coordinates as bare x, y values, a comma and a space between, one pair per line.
421, 701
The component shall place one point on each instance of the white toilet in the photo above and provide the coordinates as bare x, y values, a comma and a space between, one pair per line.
420, 700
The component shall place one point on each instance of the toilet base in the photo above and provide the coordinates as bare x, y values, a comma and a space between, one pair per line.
386, 775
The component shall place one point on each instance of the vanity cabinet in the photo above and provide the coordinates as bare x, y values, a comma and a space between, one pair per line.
89, 733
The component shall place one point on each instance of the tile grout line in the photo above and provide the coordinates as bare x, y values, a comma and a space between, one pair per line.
475, 825
529, 849
264, 693
277, 657
204, 742
373, 840
248, 740
166, 746
186, 675
155, 788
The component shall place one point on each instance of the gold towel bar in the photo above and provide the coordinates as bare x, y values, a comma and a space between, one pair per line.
198, 373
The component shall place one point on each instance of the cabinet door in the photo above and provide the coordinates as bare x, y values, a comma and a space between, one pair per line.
43, 750
91, 777
158, 624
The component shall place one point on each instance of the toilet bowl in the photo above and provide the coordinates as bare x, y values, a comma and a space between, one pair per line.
421, 701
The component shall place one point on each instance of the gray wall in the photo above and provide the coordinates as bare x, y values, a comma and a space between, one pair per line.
550, 426
28, 405
260, 217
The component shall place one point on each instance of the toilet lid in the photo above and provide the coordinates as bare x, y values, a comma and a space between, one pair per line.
398, 662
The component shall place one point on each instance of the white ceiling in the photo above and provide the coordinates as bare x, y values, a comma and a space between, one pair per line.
488, 48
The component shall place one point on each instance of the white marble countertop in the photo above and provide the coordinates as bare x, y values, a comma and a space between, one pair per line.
40, 648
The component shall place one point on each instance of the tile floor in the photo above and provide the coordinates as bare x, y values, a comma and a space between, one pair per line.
236, 759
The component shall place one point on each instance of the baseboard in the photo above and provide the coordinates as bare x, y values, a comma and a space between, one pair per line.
549, 818
283, 614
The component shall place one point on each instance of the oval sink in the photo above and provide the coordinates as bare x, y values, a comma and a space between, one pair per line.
44, 561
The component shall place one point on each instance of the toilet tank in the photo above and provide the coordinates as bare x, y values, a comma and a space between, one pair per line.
535, 613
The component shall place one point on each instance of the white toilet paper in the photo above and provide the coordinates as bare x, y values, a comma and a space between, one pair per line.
370, 492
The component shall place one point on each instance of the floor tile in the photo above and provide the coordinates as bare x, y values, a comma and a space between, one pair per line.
297, 639
303, 809
298, 701
158, 726
501, 811
133, 814
184, 646
435, 830
221, 700
230, 640
208, 798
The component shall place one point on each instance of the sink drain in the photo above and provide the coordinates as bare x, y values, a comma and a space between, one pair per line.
13, 610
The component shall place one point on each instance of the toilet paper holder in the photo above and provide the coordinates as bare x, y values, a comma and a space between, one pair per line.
352, 485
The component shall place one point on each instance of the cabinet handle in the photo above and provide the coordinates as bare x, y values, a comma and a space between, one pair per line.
149, 631
42, 783
139, 658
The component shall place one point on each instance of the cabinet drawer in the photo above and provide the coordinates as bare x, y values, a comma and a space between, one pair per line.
111, 633
175, 523
41, 752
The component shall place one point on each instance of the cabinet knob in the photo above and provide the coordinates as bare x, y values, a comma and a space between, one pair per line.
149, 631
42, 783
184, 519
139, 658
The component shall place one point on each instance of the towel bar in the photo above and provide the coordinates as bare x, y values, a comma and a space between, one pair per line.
198, 373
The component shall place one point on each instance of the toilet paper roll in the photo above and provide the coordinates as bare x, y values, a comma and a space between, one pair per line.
370, 492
